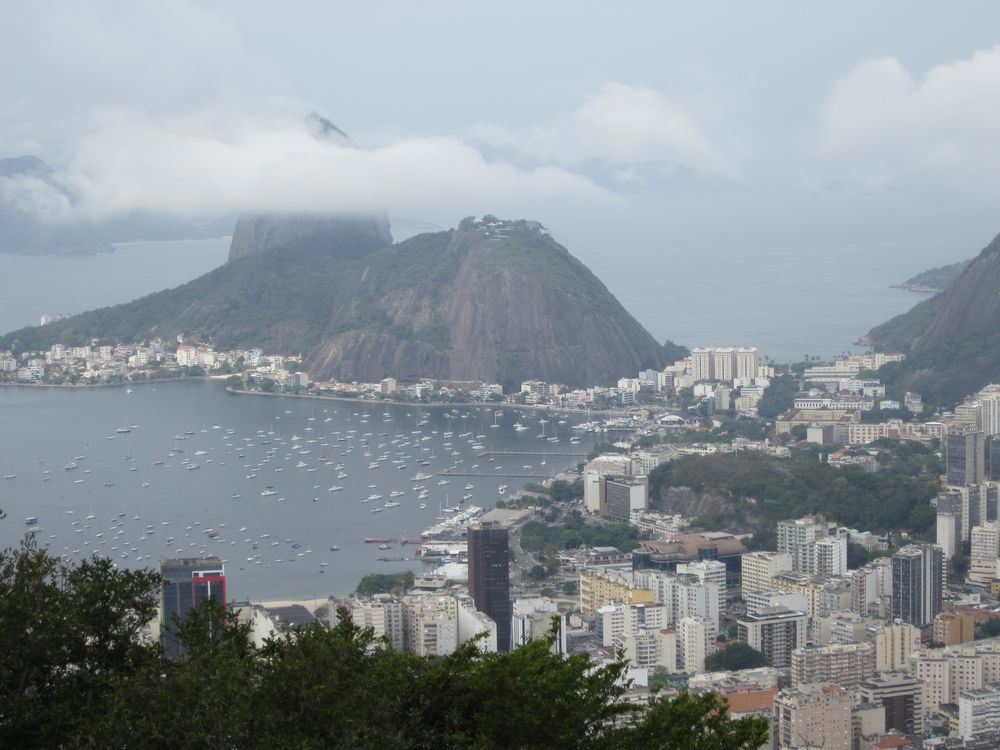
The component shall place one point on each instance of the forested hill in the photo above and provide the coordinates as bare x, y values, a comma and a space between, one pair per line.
752, 490
952, 340
490, 300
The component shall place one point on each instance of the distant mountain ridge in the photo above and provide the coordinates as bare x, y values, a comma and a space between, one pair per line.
491, 300
935, 279
952, 339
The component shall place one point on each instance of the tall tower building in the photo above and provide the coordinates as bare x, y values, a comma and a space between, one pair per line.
917, 583
187, 582
746, 362
702, 364
993, 458
724, 364
797, 537
965, 457
489, 577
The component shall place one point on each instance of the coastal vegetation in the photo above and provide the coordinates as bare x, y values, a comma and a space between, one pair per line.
756, 490
74, 674
735, 656
384, 583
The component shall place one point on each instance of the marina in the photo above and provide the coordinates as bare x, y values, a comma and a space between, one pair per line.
273, 486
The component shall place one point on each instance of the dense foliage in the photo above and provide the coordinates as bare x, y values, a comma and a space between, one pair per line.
778, 397
761, 489
383, 583
735, 656
575, 532
72, 674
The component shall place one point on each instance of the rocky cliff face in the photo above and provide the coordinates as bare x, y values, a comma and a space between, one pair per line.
260, 233
953, 339
497, 301
504, 303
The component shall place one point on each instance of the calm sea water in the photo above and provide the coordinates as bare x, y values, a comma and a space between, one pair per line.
121, 502
35, 286
787, 301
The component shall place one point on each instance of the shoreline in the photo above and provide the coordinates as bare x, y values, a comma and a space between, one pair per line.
446, 405
127, 383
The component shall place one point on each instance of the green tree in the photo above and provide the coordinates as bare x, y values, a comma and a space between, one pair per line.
68, 636
735, 656
385, 583
74, 675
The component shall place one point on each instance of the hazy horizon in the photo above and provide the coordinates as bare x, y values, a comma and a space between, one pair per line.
665, 126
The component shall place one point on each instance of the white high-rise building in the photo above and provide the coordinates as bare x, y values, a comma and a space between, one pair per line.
758, 568
746, 362
651, 647
683, 596
430, 624
708, 571
813, 716
724, 364
797, 537
692, 637
776, 633
979, 711
893, 646
702, 364
985, 552
989, 399
831, 556
382, 613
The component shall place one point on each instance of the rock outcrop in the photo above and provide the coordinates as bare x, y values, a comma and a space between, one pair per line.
260, 233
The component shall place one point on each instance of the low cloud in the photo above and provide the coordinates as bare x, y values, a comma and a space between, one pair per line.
620, 124
208, 165
881, 126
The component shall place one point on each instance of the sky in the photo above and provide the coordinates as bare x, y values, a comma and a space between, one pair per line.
630, 129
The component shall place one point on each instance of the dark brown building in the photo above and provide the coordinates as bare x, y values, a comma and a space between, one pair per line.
489, 577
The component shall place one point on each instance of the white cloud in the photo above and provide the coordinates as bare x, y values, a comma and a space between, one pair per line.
30, 194
619, 123
882, 127
215, 163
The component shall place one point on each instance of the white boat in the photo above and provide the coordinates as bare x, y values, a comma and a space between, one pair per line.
443, 481
396, 493
70, 466
334, 488
268, 493
391, 504
421, 477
